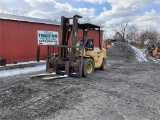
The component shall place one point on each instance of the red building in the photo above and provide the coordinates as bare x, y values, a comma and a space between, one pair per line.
18, 37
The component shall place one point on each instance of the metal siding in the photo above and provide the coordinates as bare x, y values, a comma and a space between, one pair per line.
18, 40
91, 35
94, 34
1, 39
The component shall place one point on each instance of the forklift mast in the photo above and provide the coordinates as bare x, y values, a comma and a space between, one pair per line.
66, 30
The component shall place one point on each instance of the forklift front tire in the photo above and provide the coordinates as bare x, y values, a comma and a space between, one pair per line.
88, 67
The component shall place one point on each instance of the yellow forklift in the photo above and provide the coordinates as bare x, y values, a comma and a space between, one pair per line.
78, 57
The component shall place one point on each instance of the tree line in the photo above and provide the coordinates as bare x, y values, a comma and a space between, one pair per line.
125, 32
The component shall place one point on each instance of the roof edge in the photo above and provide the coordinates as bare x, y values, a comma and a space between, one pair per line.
27, 19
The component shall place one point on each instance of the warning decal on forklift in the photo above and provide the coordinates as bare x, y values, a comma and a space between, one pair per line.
95, 53
47, 37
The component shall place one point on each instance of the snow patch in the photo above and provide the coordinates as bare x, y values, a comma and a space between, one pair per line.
17, 71
139, 55
153, 59
22, 63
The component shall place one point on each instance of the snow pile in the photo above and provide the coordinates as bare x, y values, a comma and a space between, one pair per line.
139, 55
12, 72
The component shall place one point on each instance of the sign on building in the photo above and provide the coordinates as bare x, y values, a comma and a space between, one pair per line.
47, 37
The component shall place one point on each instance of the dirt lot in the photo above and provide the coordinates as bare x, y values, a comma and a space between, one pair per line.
124, 91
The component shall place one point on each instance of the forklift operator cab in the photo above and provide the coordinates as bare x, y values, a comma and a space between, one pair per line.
89, 44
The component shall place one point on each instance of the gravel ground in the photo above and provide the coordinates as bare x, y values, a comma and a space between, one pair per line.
121, 52
124, 91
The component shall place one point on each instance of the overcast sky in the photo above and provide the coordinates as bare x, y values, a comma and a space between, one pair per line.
142, 13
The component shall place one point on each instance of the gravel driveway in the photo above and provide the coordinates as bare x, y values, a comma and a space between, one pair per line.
124, 91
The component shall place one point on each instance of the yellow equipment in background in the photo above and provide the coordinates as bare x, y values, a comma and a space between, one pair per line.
156, 51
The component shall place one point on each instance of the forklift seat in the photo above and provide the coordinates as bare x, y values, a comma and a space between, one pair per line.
89, 44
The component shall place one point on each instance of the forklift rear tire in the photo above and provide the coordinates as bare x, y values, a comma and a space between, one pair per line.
88, 67
104, 64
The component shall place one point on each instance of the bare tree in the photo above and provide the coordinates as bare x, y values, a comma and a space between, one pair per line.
118, 37
149, 35
132, 33
153, 35
120, 29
